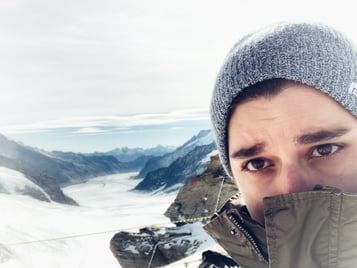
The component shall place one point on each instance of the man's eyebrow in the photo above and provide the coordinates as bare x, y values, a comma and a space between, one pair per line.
321, 135
249, 151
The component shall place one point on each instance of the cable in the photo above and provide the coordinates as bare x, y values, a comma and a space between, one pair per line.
102, 232
152, 255
124, 229
191, 220
219, 193
78, 235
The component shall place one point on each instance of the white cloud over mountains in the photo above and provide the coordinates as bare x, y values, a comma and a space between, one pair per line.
104, 133
97, 124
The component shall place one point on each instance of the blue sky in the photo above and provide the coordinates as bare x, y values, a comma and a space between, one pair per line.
103, 133
92, 75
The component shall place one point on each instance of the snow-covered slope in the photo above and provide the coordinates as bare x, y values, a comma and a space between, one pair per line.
35, 234
14, 182
204, 137
186, 162
62, 167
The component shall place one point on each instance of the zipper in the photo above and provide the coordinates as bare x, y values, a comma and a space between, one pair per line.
238, 222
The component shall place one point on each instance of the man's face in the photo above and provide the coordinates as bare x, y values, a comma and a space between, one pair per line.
290, 143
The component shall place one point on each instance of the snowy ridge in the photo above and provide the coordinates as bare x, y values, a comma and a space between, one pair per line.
208, 156
174, 169
14, 182
204, 137
126, 154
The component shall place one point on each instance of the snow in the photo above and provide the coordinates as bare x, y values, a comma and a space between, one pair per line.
172, 188
41, 234
12, 181
197, 233
205, 140
132, 249
208, 157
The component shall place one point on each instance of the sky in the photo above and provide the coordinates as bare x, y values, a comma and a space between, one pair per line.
94, 75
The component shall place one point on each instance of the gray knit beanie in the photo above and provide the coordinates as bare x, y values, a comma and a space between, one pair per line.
312, 54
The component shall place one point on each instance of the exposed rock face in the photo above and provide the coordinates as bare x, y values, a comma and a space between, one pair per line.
63, 167
196, 201
49, 170
179, 171
214, 259
202, 195
51, 187
204, 137
48, 184
75, 167
137, 164
154, 246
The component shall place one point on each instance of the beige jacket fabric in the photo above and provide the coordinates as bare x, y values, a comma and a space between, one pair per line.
310, 230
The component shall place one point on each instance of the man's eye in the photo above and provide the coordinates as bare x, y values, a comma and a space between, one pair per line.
256, 164
324, 150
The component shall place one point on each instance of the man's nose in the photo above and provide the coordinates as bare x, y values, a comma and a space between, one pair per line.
293, 179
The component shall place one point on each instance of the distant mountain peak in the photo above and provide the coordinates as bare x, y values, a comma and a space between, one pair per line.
126, 154
176, 167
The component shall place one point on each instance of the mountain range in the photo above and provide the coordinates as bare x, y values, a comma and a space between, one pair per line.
52, 170
161, 168
170, 171
126, 154
49, 176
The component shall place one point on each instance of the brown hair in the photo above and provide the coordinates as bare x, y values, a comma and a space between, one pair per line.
265, 89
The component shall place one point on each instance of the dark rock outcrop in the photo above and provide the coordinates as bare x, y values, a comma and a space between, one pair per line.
76, 167
196, 201
137, 164
214, 259
201, 196
179, 171
153, 245
34, 193
47, 183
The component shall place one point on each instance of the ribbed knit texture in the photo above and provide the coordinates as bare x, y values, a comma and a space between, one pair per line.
313, 54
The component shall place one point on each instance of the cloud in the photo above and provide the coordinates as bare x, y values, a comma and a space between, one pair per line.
100, 124
89, 130
176, 128
84, 66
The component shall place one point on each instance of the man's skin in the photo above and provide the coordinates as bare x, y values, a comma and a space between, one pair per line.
289, 143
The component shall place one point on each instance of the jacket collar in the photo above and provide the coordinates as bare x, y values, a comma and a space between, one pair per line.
242, 238
309, 229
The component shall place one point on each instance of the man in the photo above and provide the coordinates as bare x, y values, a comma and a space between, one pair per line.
284, 113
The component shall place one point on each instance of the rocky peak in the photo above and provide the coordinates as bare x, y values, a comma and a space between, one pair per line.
195, 202
154, 246
203, 139
202, 195
179, 171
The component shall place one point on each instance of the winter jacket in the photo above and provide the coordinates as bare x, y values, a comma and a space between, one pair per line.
307, 230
